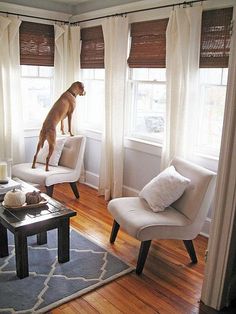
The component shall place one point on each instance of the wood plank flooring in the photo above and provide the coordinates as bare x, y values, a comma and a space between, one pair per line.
170, 283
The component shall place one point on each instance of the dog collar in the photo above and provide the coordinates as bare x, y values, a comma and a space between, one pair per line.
71, 93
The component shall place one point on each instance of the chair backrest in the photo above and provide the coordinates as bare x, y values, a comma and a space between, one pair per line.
197, 198
73, 152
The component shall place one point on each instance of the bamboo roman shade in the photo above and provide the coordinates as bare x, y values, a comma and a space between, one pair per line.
148, 45
92, 51
215, 38
36, 44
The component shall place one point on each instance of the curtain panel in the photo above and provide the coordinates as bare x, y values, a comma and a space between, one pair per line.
115, 31
11, 112
182, 61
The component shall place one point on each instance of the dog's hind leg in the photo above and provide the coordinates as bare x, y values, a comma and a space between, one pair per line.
36, 154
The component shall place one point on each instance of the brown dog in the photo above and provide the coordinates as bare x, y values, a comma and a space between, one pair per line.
62, 108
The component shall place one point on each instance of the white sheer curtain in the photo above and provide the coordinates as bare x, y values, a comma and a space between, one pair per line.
67, 63
115, 30
182, 63
11, 112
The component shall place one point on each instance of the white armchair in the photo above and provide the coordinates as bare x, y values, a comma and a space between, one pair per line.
68, 169
182, 220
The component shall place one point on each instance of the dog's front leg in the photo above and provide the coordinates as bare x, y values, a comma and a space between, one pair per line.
69, 124
62, 127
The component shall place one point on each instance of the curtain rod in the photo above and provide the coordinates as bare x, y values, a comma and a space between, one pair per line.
142, 10
105, 16
35, 17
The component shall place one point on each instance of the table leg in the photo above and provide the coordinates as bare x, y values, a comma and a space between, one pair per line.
42, 238
3, 241
64, 241
22, 268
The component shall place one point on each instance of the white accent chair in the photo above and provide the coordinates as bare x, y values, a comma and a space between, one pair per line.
68, 169
182, 220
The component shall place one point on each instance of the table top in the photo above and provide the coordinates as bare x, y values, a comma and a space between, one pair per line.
18, 218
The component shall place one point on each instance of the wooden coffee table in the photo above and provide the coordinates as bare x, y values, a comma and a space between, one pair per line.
26, 222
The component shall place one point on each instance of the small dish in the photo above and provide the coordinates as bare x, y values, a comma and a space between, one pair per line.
27, 206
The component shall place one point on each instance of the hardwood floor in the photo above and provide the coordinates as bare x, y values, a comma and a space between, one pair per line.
170, 283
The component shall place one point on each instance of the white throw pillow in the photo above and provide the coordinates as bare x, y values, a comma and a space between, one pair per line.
54, 159
164, 189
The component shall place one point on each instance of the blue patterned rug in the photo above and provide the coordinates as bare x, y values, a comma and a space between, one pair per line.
50, 283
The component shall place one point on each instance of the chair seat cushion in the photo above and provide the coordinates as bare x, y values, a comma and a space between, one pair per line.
38, 175
137, 219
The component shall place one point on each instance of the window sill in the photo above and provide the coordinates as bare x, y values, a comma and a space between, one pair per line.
31, 132
143, 146
93, 134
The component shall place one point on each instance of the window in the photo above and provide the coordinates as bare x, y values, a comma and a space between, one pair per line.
148, 101
36, 88
147, 88
214, 55
93, 77
213, 82
93, 101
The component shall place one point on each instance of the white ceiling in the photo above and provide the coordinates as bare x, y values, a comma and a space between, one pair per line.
69, 6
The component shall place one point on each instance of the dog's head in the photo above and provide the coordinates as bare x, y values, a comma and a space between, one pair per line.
77, 88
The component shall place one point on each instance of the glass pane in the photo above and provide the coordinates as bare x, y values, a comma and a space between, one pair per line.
94, 103
46, 71
29, 70
140, 74
210, 76
37, 100
87, 74
211, 119
157, 75
149, 110
99, 74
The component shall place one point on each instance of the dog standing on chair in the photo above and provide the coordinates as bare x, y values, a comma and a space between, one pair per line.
62, 108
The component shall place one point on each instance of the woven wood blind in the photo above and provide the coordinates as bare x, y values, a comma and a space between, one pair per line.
36, 44
92, 51
215, 38
148, 45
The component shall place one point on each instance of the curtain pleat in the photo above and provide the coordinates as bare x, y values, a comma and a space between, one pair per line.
115, 30
11, 111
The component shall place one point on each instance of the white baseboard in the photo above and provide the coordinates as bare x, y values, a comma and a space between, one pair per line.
206, 228
91, 179
128, 191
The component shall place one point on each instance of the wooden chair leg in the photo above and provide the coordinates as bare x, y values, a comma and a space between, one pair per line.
49, 190
114, 231
74, 189
143, 252
191, 251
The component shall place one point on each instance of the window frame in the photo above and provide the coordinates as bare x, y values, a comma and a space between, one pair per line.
130, 118
84, 110
31, 131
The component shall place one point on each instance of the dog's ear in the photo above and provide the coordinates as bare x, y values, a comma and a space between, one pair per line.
79, 86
